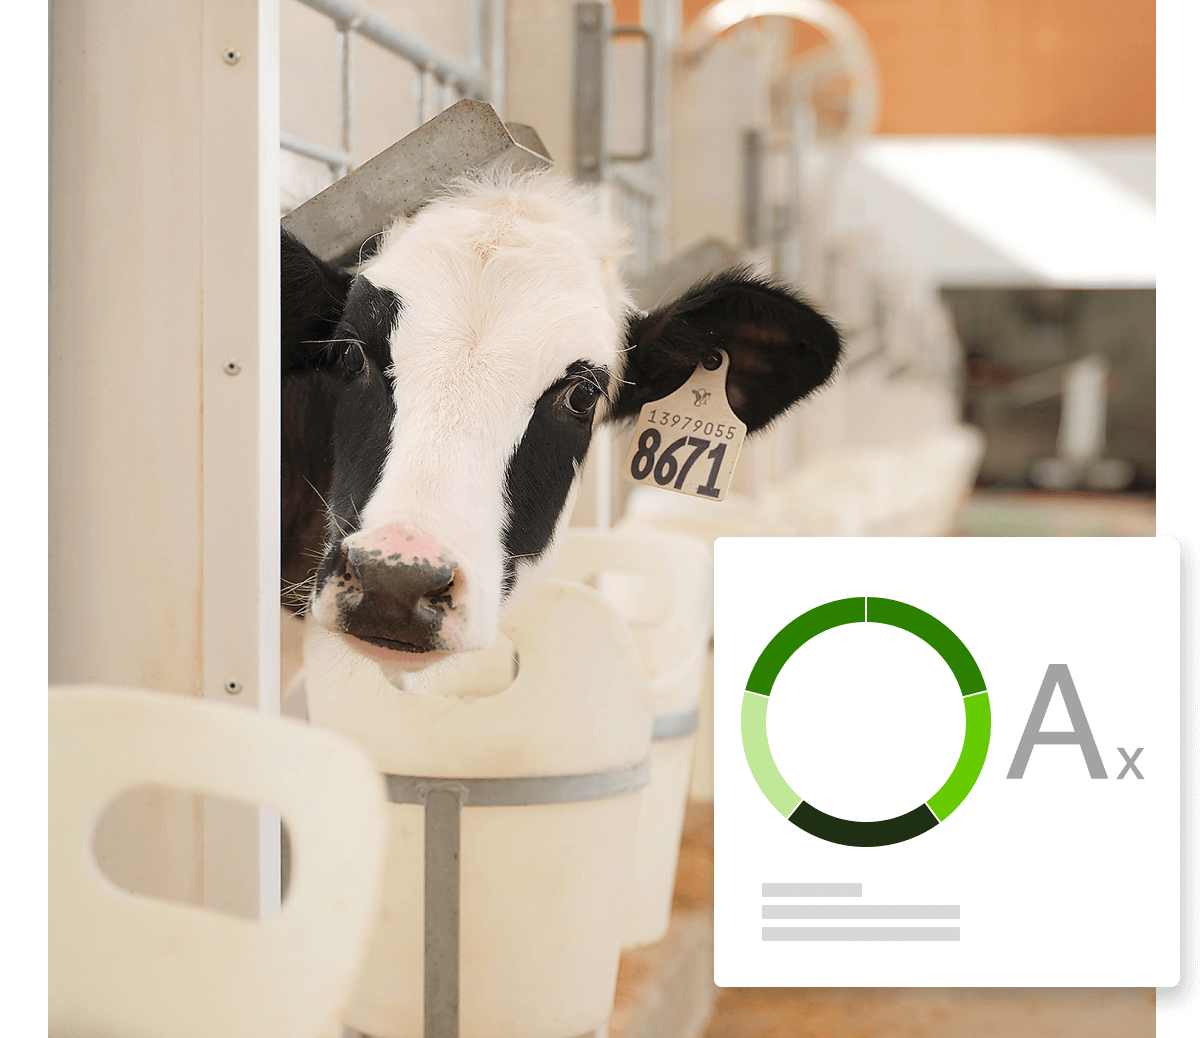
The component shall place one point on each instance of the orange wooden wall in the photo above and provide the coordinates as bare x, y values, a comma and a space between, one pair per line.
1005, 66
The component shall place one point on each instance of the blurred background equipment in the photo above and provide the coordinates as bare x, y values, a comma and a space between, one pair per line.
1060, 371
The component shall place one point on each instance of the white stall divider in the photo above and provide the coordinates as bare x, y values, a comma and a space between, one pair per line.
905, 490
512, 826
737, 516
661, 583
128, 966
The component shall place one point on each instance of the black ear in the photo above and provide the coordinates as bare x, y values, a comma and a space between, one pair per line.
312, 295
780, 348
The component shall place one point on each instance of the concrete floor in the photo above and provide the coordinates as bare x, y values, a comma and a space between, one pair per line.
1041, 513
933, 1013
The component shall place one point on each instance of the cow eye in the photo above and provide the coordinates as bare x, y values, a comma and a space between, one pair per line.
582, 398
353, 358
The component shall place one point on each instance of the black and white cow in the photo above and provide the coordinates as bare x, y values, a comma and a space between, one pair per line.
438, 402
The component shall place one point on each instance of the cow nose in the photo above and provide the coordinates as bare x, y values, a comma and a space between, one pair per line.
393, 596
404, 586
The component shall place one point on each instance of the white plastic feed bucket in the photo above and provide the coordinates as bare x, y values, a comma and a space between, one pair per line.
912, 489
127, 964
736, 516
661, 583
541, 885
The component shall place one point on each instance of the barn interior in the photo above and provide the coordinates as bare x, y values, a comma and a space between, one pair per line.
966, 189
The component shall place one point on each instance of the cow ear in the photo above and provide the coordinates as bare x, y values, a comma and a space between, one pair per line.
780, 347
312, 295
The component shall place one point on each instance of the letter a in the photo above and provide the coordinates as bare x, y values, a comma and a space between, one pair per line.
1058, 674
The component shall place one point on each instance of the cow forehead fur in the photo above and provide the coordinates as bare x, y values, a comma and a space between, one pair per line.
504, 282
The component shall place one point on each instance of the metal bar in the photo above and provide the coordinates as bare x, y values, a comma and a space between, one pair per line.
476, 26
603, 455
397, 182
497, 56
441, 926
645, 152
419, 96
443, 801
589, 90
673, 726
429, 98
402, 43
332, 158
753, 159
346, 89
524, 790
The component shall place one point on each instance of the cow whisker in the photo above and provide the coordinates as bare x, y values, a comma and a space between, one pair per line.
335, 518
360, 255
529, 555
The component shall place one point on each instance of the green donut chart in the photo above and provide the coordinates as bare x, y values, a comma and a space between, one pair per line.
755, 736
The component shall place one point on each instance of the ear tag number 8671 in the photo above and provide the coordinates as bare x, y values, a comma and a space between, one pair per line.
689, 441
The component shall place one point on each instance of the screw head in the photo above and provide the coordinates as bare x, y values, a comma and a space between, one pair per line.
231, 367
233, 687
589, 161
589, 17
231, 56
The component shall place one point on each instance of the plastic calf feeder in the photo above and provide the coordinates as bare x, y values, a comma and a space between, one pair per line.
512, 827
905, 490
669, 613
736, 516
128, 966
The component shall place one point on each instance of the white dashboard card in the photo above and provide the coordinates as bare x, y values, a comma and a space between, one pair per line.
947, 762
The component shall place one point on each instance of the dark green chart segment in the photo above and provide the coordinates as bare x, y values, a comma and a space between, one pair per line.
957, 658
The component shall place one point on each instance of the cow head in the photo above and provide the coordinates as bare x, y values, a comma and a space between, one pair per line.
439, 402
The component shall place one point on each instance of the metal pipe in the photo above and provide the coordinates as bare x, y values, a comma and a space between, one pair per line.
419, 96
402, 43
847, 38
649, 93
497, 57
336, 160
346, 88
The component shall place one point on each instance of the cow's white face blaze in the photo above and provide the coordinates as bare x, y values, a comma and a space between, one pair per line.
491, 323
438, 404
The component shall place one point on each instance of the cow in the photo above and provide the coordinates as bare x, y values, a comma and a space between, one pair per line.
438, 401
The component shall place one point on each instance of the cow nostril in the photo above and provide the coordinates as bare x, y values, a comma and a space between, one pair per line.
343, 569
441, 595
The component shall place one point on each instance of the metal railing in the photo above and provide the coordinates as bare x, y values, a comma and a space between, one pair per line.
630, 178
633, 203
438, 79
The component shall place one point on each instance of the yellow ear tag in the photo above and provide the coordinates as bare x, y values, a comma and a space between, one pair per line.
689, 441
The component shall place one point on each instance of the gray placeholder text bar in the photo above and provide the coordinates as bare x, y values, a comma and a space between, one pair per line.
861, 911
861, 933
811, 890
